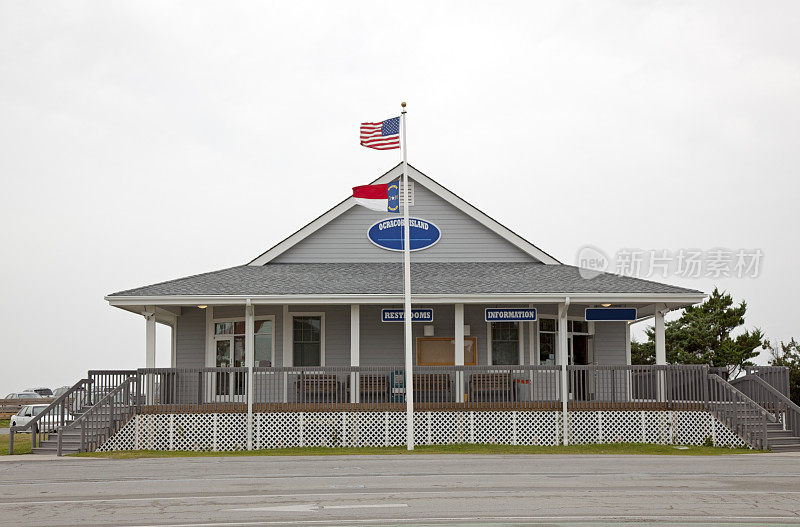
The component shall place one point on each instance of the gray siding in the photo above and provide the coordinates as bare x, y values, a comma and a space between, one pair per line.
190, 350
609, 348
609, 343
463, 239
381, 342
337, 331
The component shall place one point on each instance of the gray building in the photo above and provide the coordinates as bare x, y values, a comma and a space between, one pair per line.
317, 298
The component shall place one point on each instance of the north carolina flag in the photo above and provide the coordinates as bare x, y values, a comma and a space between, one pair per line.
385, 198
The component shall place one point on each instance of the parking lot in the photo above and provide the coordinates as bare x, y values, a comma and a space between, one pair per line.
435, 489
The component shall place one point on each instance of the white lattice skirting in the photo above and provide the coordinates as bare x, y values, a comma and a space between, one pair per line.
352, 429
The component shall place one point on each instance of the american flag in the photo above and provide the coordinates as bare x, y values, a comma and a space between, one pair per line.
384, 135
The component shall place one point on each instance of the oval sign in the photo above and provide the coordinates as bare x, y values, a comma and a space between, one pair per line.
388, 234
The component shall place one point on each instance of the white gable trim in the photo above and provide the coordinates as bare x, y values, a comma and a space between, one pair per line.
504, 232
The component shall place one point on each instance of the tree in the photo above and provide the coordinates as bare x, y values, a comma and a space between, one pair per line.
702, 335
788, 355
643, 352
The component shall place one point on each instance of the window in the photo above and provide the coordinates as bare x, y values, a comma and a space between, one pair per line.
505, 343
262, 341
547, 340
578, 326
225, 356
307, 333
548, 335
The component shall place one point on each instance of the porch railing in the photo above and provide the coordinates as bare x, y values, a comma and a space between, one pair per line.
622, 387
365, 388
382, 388
102, 382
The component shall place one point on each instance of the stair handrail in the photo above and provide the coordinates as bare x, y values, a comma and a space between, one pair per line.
60, 416
92, 416
753, 434
775, 376
781, 403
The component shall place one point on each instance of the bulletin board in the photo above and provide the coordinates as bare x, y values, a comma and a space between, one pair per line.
439, 351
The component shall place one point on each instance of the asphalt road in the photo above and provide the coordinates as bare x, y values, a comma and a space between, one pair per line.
402, 490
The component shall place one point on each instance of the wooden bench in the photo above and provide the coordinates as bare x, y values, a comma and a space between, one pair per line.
371, 388
317, 387
491, 387
433, 387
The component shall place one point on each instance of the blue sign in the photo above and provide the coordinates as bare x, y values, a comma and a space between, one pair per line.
607, 314
518, 314
388, 234
399, 315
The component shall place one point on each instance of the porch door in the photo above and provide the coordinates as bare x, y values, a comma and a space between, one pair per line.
229, 354
581, 384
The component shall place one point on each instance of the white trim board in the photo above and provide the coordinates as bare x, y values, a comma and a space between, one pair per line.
428, 183
671, 300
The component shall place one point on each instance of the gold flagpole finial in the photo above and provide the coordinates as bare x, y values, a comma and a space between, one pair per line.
403, 104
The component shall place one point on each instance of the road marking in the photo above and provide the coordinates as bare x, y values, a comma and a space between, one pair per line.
311, 507
482, 520
470, 491
526, 475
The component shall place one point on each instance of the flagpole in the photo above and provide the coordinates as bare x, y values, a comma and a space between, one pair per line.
409, 377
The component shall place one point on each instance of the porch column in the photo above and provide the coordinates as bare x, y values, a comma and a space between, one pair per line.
355, 351
288, 354
563, 358
661, 349
249, 360
459, 351
150, 336
150, 350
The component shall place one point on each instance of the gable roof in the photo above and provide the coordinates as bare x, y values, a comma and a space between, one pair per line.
420, 178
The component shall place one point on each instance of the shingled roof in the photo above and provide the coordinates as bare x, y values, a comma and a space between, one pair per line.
387, 278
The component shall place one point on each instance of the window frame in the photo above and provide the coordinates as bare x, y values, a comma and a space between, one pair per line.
211, 353
589, 333
520, 344
321, 315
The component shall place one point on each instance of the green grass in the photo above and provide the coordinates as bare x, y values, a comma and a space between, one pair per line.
22, 444
5, 423
611, 448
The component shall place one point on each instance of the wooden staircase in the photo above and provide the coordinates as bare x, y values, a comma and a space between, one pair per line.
86, 428
95, 431
780, 440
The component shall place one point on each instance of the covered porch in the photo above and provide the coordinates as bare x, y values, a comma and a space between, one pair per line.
367, 338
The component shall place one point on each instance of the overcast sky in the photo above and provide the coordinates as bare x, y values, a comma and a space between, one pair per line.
145, 141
